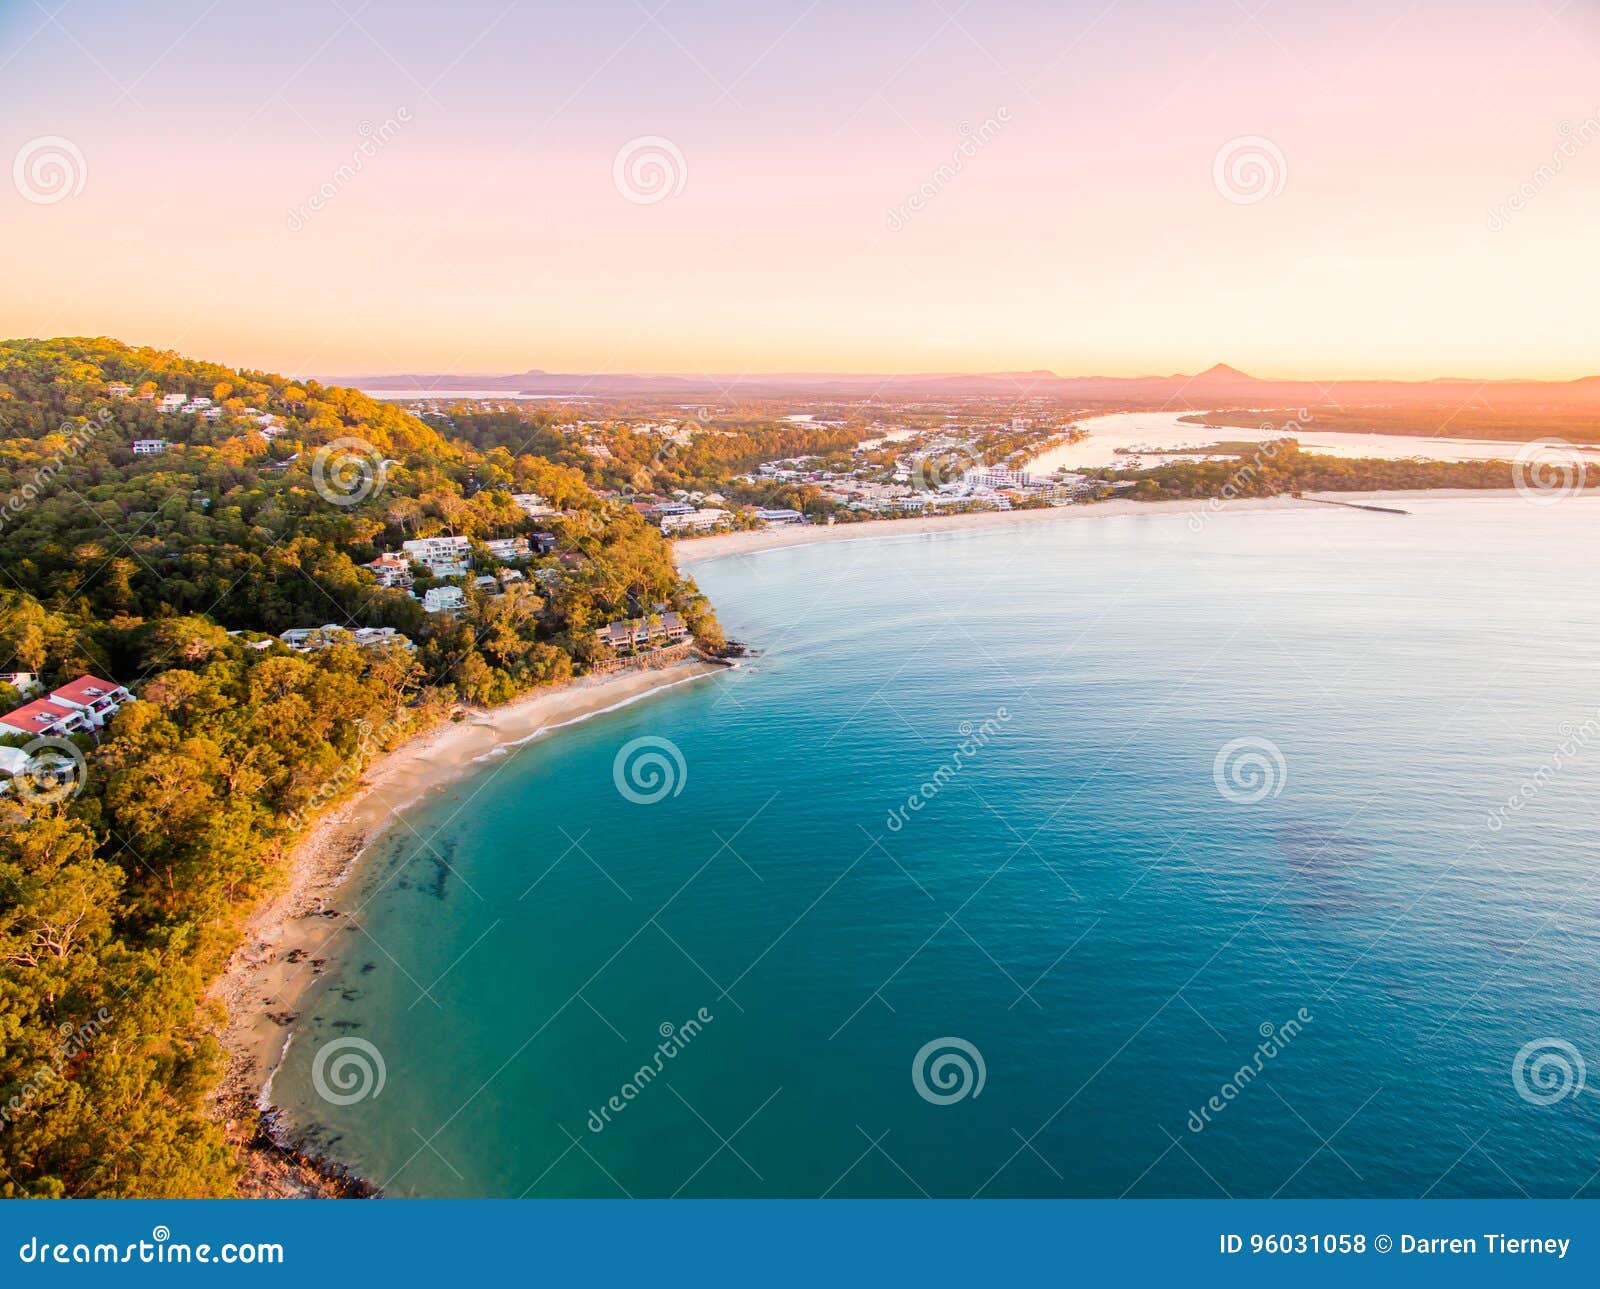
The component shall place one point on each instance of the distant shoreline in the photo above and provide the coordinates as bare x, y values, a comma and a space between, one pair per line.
285, 939
694, 550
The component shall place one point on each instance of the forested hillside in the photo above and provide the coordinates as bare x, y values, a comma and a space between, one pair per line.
119, 903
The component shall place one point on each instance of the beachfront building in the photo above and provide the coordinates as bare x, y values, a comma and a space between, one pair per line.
97, 699
994, 477
149, 447
776, 518
660, 629
695, 521
443, 556
43, 718
444, 599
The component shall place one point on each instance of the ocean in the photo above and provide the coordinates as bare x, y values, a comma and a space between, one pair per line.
1226, 854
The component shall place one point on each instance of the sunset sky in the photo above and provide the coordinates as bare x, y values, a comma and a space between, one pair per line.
1090, 229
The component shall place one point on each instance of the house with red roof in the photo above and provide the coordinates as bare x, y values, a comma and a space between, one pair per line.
97, 699
43, 717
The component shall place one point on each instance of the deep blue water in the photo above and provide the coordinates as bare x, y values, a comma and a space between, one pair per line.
1076, 898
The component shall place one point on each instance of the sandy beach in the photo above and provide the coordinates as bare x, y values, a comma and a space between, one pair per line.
695, 549
286, 939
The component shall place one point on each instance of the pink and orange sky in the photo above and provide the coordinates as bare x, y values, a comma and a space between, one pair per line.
162, 159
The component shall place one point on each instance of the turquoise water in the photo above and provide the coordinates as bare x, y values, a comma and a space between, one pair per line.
1076, 898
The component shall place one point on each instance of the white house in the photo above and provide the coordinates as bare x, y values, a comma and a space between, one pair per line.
509, 548
24, 682
118, 390
149, 447
212, 413
531, 503
444, 556
195, 405
443, 599
98, 700
171, 402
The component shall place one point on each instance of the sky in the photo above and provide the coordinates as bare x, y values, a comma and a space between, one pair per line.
1120, 187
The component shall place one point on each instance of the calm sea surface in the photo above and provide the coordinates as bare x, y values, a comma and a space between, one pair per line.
1201, 876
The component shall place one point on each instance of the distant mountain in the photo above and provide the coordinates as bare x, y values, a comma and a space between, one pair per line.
1215, 387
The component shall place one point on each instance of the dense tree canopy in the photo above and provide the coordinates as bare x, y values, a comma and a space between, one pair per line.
119, 904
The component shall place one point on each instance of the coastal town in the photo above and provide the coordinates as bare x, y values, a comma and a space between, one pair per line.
929, 458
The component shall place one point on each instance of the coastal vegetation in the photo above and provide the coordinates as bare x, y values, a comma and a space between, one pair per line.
171, 572
1279, 466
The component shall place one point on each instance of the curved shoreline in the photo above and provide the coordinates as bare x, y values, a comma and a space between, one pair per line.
285, 939
692, 550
